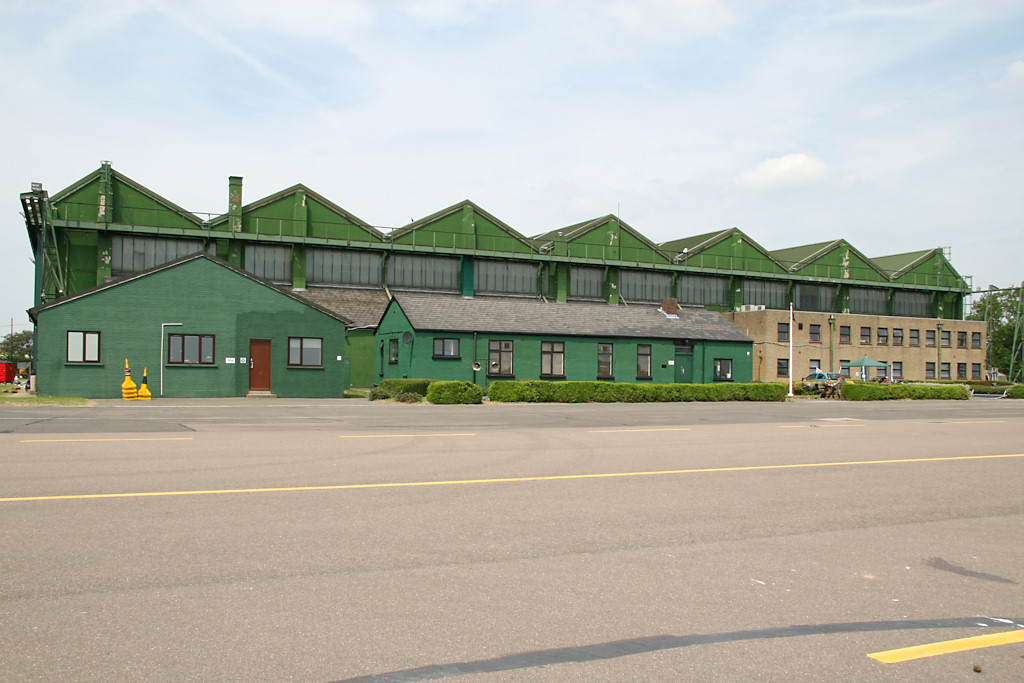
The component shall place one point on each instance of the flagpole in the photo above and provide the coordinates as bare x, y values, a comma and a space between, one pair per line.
790, 348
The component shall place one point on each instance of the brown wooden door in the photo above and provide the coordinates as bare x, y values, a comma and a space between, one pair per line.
259, 365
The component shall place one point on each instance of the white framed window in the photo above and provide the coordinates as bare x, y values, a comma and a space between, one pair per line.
83, 347
306, 352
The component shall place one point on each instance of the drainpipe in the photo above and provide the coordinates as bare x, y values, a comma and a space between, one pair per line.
831, 342
790, 328
475, 361
938, 345
162, 326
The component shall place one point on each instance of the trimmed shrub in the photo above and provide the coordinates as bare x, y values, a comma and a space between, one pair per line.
989, 389
1016, 391
772, 391
448, 393
870, 391
390, 388
539, 391
408, 397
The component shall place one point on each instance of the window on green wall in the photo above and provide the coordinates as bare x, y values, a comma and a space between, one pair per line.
765, 293
814, 297
604, 361
911, 304
869, 301
305, 352
499, 357
643, 361
270, 262
552, 359
132, 254
190, 349
392, 351
703, 290
504, 276
723, 370
83, 347
446, 348
343, 266
640, 285
586, 282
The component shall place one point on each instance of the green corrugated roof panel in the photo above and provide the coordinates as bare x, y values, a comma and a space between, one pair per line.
797, 256
300, 211
463, 226
730, 250
895, 264
696, 242
835, 260
605, 238
928, 268
133, 204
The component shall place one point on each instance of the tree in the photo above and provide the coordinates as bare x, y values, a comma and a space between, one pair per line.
1002, 309
16, 347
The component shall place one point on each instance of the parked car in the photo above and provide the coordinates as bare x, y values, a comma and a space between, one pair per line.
818, 381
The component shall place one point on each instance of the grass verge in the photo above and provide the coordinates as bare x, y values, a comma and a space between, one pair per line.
12, 400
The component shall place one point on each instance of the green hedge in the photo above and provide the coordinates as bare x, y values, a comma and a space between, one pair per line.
871, 391
539, 391
1016, 391
989, 389
389, 388
454, 392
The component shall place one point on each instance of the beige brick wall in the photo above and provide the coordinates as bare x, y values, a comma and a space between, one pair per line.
830, 351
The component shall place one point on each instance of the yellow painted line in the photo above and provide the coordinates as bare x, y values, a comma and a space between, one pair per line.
616, 431
394, 436
505, 480
946, 647
180, 438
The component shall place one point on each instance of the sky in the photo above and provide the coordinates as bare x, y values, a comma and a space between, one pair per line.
896, 125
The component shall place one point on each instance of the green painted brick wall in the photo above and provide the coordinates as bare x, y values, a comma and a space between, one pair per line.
415, 359
208, 299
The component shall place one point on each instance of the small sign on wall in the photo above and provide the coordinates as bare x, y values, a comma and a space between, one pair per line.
229, 361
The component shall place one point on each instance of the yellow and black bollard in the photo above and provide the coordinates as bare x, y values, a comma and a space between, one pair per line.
128, 389
144, 394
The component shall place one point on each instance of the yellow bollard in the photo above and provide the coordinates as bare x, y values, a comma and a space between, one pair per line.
128, 390
144, 393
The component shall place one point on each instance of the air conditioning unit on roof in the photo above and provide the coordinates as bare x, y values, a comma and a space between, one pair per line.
746, 308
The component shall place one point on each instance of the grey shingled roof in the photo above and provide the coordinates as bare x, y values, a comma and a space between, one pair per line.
363, 307
453, 313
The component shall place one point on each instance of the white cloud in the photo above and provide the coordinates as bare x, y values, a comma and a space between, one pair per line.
787, 171
671, 18
1015, 75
